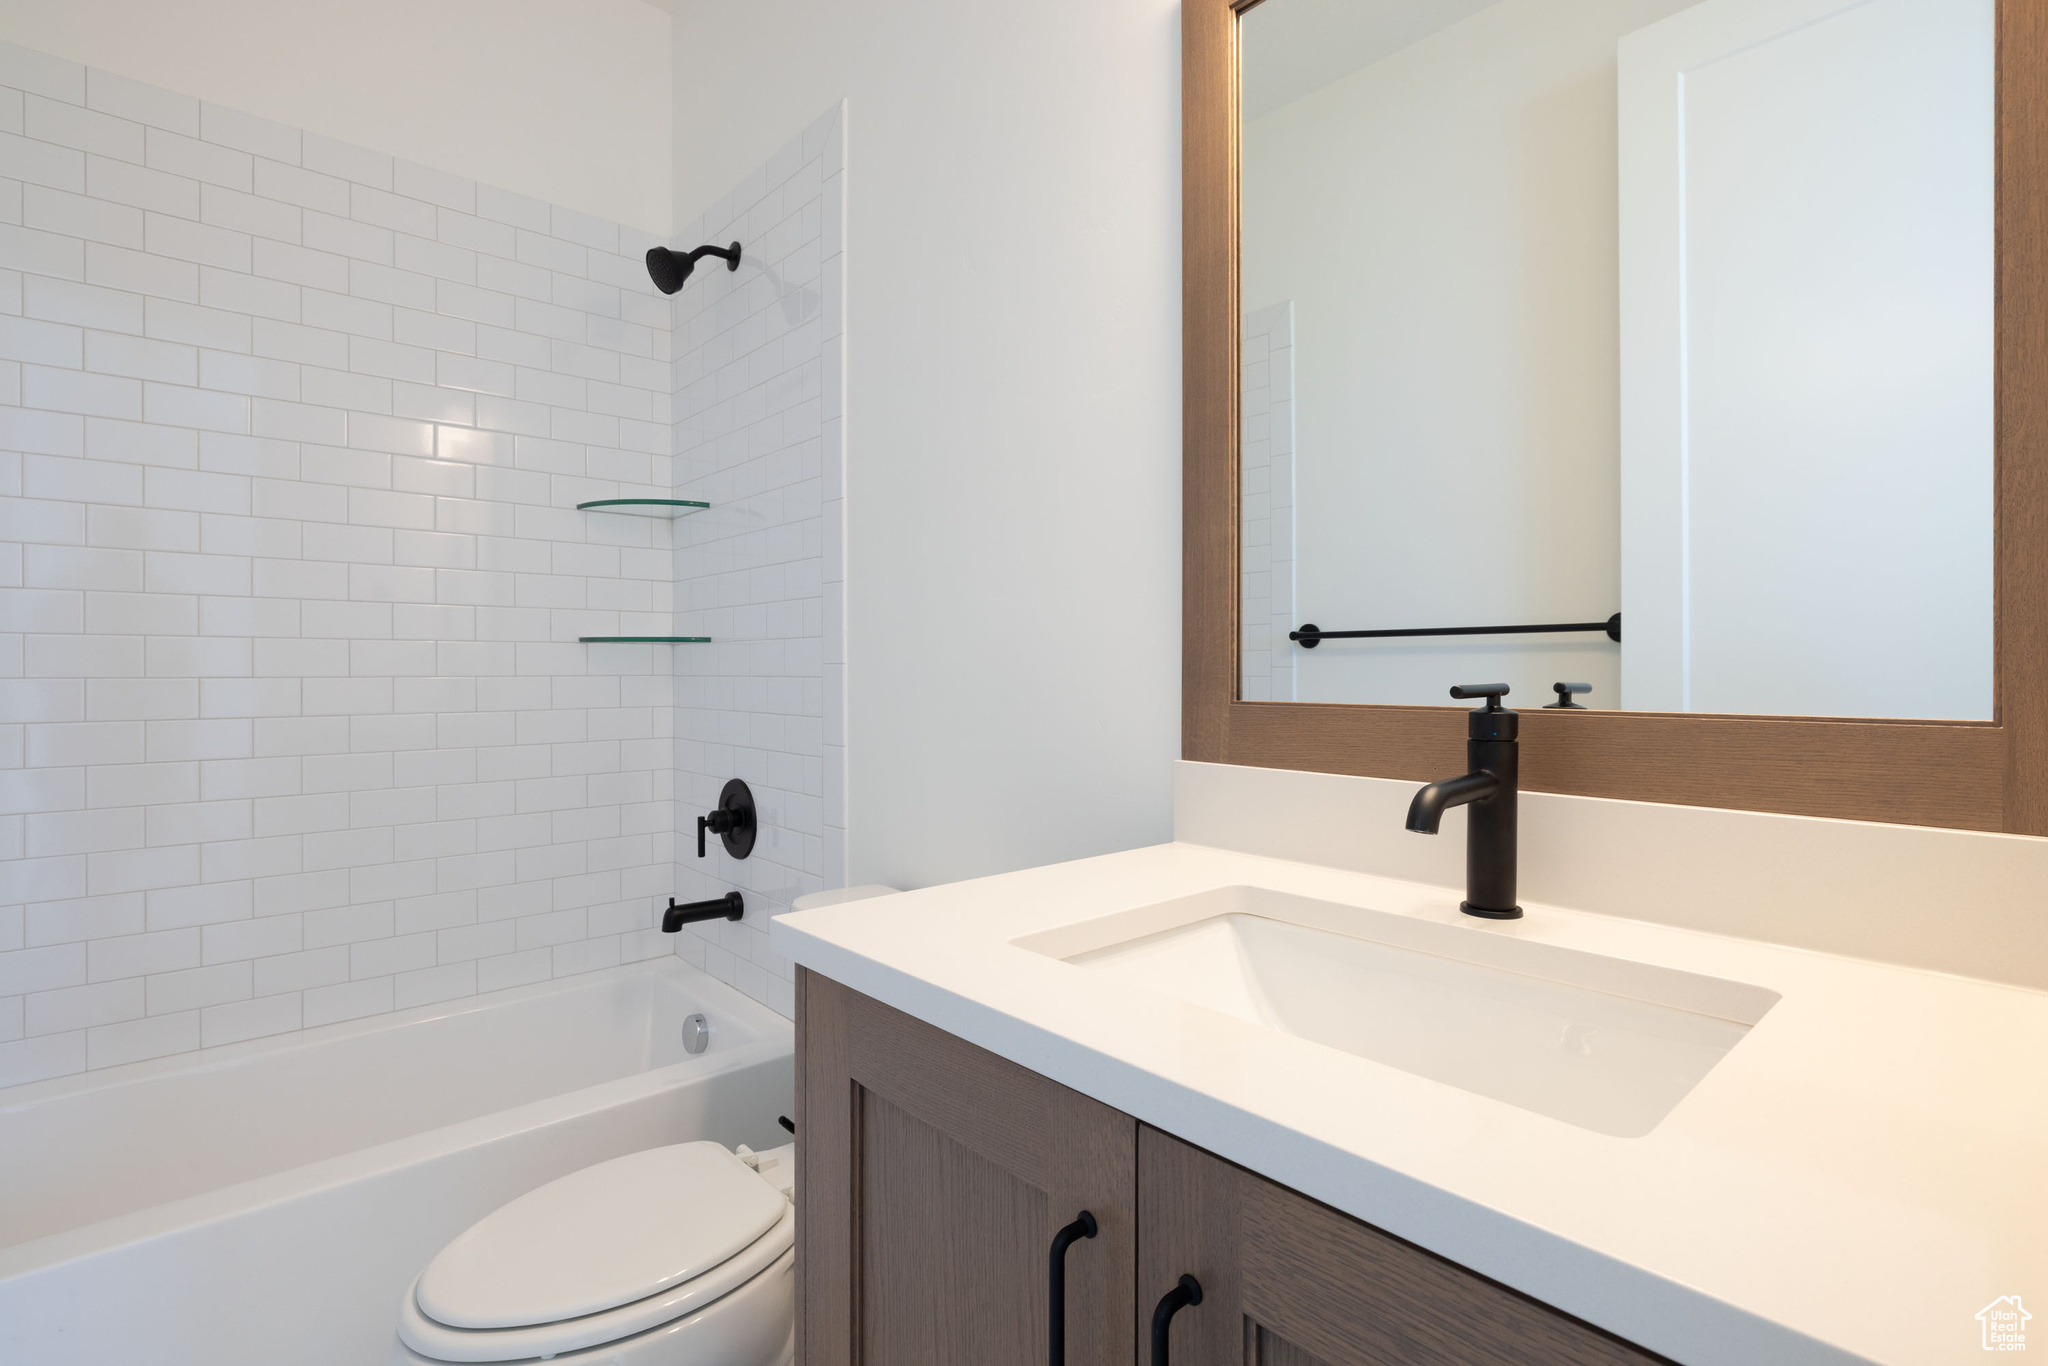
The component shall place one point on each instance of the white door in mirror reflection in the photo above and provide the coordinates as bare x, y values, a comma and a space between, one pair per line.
1806, 315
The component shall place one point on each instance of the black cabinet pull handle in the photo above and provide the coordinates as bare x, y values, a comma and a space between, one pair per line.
1056, 1286
1188, 1292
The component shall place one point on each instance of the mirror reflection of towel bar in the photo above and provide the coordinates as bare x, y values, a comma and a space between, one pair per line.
1312, 635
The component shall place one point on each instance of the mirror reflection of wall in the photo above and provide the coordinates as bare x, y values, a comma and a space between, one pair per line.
1679, 309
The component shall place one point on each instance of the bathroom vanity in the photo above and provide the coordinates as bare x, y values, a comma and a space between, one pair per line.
1719, 1097
935, 1188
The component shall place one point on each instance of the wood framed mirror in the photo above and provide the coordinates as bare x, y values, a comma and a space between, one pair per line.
1989, 774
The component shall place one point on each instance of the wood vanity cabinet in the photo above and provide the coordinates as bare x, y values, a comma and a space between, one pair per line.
933, 1177
1290, 1282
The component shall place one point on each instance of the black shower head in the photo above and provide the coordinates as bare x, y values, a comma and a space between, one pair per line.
668, 269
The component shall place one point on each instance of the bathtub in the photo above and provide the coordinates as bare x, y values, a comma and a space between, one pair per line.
267, 1203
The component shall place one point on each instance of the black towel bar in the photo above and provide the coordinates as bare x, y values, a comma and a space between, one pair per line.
1312, 635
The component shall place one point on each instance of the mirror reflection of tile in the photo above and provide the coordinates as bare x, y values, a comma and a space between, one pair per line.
1266, 473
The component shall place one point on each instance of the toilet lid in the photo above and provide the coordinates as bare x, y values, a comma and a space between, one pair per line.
599, 1238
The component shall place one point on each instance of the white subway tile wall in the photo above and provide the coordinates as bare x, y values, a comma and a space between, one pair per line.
1268, 492
760, 435
296, 727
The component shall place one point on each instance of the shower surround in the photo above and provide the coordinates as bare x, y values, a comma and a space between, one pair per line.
760, 435
294, 723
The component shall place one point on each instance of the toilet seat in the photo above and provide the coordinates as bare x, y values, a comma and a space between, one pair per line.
527, 1281
713, 1336
439, 1342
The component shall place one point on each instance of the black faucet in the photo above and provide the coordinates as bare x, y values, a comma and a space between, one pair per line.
728, 907
1489, 789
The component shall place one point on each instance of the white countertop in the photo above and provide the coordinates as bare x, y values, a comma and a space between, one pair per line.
1862, 1173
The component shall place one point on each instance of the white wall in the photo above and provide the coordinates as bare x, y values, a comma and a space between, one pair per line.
1304, 45
563, 101
294, 724
1013, 402
1444, 223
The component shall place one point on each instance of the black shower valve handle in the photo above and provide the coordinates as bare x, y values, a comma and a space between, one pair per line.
733, 820
717, 823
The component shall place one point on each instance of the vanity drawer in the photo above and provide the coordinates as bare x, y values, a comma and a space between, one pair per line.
1287, 1281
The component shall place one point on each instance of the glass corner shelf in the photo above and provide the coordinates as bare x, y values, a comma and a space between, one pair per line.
643, 640
645, 507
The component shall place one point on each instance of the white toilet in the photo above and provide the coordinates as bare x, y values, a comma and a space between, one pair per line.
680, 1256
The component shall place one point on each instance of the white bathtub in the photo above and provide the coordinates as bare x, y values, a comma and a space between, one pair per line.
266, 1204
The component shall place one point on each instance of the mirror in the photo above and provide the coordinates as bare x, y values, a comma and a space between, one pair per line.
1665, 320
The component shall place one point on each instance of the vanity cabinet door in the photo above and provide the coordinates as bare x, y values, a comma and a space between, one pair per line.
1289, 1282
932, 1178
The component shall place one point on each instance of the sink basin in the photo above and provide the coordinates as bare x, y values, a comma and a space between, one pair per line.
1604, 1043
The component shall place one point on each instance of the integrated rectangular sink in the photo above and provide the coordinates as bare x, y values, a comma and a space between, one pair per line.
1603, 1043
